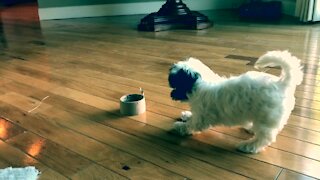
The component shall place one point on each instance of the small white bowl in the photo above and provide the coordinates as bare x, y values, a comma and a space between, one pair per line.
132, 104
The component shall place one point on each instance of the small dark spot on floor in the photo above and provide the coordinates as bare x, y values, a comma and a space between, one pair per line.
36, 42
18, 57
125, 167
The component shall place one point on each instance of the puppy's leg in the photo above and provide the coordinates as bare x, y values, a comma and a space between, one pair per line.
181, 128
263, 137
185, 116
248, 128
194, 123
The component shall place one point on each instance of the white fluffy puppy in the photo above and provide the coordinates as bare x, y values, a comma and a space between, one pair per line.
258, 101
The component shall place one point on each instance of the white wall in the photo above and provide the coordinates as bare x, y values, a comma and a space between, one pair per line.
144, 8
129, 8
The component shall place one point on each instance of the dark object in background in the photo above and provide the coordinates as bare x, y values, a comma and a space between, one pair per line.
261, 10
174, 14
15, 2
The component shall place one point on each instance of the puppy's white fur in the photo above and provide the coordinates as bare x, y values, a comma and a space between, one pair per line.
259, 101
197, 66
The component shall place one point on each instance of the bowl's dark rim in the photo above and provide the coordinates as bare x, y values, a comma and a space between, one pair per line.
129, 102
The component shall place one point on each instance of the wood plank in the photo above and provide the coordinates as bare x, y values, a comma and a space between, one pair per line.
15, 158
96, 172
286, 174
115, 87
234, 70
135, 146
96, 151
52, 155
8, 130
152, 104
203, 158
304, 123
103, 81
68, 92
50, 174
286, 141
283, 163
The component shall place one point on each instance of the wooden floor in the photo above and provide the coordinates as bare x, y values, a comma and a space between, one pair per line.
83, 66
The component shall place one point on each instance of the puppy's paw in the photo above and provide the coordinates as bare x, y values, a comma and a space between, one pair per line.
181, 128
248, 128
249, 131
249, 147
185, 116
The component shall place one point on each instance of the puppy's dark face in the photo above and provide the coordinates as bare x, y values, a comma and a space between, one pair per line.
182, 81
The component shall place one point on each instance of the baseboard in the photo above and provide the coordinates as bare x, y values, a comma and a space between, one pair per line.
128, 8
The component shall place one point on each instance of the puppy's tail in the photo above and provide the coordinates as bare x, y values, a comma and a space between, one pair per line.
291, 66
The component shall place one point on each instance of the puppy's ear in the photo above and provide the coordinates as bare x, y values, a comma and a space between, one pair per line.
182, 81
182, 77
179, 95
